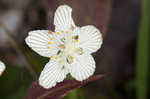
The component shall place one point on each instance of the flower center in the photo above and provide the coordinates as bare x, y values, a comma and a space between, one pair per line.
67, 50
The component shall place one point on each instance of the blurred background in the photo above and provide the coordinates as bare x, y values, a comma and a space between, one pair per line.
123, 58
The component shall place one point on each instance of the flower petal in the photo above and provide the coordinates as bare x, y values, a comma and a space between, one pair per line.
2, 67
82, 67
90, 39
42, 42
63, 18
54, 71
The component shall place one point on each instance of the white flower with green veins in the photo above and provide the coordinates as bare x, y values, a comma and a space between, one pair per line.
69, 48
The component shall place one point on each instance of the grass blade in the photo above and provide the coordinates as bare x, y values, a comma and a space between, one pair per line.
142, 52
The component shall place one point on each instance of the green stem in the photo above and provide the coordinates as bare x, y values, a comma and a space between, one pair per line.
142, 52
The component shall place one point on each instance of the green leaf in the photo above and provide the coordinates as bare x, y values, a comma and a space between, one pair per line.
12, 80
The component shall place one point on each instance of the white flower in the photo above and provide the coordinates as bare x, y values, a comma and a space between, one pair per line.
69, 48
2, 68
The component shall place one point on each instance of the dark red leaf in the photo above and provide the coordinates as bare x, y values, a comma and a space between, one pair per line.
61, 89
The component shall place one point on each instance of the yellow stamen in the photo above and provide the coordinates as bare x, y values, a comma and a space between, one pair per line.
62, 57
67, 32
62, 31
49, 42
73, 37
57, 33
51, 56
48, 47
59, 61
72, 57
56, 57
51, 38
76, 41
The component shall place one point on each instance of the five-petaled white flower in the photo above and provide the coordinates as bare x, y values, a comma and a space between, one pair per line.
69, 48
2, 68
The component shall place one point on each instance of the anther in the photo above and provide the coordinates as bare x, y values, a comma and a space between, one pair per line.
59, 61
57, 33
62, 31
51, 56
51, 38
49, 42
72, 27
67, 32
63, 67
76, 41
50, 32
